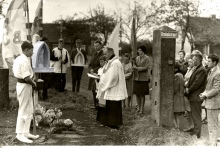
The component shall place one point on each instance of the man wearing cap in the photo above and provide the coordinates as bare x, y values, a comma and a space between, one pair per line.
23, 72
60, 62
77, 70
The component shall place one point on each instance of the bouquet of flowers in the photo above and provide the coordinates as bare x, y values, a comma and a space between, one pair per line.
51, 117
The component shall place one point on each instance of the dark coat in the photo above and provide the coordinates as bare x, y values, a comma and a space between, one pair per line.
95, 65
74, 52
94, 62
197, 83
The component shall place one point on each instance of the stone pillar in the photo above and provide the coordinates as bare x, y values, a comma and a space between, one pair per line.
164, 45
4, 88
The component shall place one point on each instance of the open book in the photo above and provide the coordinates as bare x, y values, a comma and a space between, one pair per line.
93, 76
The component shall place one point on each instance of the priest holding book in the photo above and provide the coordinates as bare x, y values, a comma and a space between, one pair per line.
112, 85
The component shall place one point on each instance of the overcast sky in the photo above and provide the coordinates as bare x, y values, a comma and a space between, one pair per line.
55, 9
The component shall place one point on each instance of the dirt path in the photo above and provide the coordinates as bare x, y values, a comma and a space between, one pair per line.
87, 130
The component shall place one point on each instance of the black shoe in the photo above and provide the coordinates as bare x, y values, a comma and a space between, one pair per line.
188, 130
198, 136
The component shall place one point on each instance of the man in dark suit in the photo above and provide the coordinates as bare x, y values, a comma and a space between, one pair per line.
94, 65
196, 85
77, 70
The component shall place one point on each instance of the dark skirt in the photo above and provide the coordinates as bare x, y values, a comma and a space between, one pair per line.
141, 88
111, 115
101, 115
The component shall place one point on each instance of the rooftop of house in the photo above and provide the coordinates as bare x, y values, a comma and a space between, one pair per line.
206, 30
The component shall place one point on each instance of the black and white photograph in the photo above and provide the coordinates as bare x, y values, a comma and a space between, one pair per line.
109, 73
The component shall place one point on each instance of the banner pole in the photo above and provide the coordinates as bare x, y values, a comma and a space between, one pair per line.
33, 91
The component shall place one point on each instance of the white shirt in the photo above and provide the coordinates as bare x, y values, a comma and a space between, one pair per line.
57, 64
22, 67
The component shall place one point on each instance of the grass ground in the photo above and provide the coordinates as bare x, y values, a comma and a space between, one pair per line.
136, 130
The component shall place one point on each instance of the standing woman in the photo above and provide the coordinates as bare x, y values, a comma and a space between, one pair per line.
141, 79
128, 77
178, 98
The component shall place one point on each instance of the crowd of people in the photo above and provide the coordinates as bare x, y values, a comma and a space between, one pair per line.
197, 86
114, 81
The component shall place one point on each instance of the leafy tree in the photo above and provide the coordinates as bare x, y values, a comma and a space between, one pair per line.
145, 19
179, 12
76, 29
101, 22
126, 47
1, 7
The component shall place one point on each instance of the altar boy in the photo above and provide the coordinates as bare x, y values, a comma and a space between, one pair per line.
23, 72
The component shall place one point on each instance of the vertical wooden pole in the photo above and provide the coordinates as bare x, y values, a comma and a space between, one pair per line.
34, 91
4, 88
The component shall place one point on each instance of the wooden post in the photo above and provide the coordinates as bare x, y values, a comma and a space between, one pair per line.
164, 44
4, 88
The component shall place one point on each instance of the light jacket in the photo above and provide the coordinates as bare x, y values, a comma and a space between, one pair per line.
212, 90
142, 74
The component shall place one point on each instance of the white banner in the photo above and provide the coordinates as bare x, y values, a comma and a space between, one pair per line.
113, 41
15, 32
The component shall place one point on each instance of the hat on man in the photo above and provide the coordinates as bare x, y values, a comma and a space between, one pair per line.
61, 40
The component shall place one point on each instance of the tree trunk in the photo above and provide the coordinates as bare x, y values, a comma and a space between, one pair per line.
183, 39
4, 88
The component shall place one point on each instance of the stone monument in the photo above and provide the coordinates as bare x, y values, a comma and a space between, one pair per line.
164, 45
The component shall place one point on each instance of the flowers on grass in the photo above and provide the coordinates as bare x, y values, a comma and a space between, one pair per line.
50, 117
68, 122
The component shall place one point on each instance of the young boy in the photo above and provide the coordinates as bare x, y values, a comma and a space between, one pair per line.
23, 72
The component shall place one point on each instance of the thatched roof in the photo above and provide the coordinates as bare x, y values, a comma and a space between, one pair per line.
205, 30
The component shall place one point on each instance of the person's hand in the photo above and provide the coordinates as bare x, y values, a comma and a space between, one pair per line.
202, 96
34, 85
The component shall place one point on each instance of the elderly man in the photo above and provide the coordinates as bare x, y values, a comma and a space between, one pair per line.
211, 95
60, 61
77, 70
23, 72
195, 86
94, 65
112, 85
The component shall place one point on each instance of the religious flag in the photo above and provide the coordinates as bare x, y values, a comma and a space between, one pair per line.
113, 41
133, 38
37, 24
14, 32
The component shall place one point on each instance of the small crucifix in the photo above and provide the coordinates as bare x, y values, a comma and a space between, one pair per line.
61, 28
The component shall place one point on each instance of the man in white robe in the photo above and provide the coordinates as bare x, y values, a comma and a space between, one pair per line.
23, 72
112, 84
60, 61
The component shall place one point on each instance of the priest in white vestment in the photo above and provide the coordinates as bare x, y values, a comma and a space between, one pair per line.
112, 84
